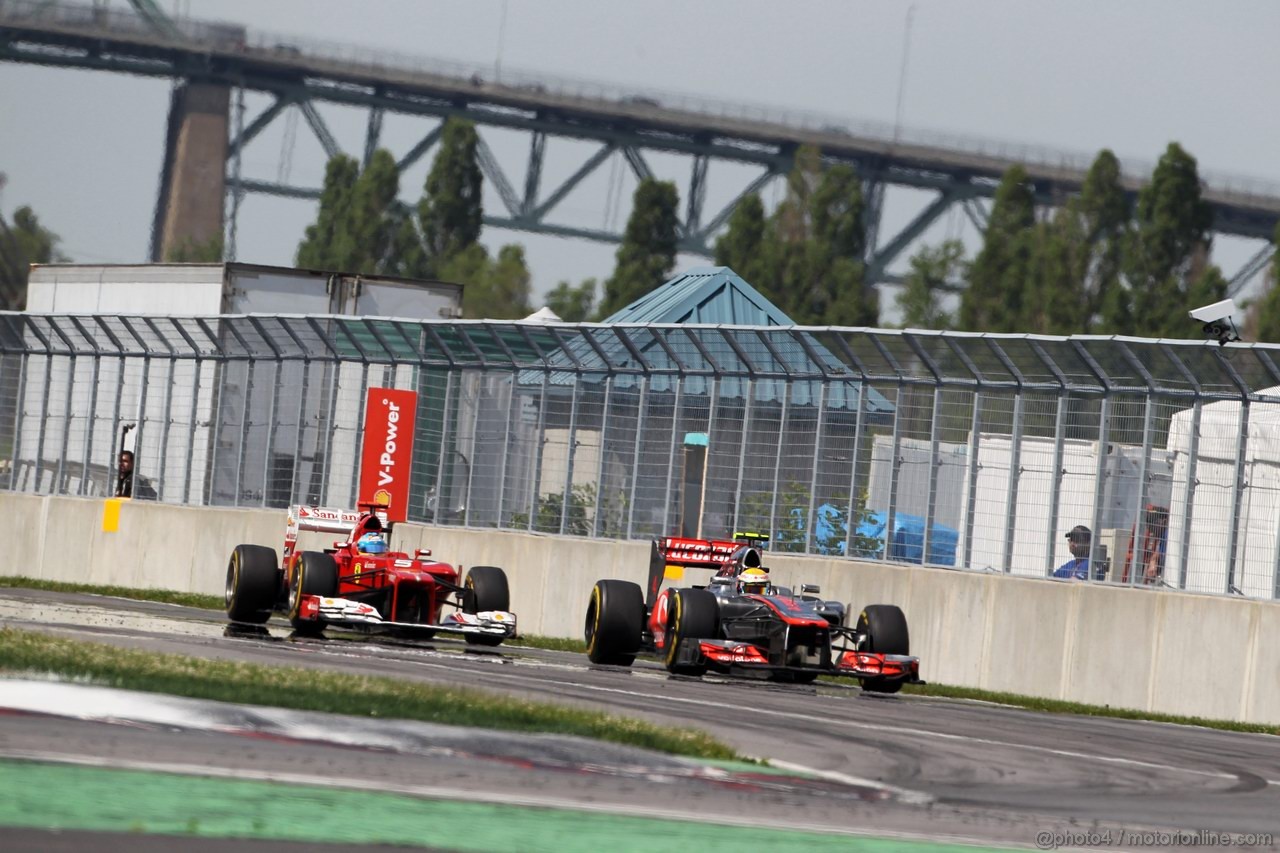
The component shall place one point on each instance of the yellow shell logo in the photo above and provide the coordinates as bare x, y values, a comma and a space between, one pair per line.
382, 497
356, 568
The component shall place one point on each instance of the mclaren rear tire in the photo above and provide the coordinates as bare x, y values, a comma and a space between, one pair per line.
885, 628
253, 584
315, 573
694, 615
486, 589
615, 622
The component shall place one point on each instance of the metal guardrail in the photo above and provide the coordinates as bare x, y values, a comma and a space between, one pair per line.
965, 450
227, 37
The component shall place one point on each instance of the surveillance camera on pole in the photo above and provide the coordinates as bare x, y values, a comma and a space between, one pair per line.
1217, 321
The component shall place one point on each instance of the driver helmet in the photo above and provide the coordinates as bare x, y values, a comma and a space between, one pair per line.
754, 581
372, 543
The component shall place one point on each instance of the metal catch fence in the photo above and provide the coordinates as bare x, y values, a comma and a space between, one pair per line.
974, 451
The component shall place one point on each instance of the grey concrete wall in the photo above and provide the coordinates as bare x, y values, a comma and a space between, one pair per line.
1175, 653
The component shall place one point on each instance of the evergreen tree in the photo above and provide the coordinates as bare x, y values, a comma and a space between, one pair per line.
648, 250
1103, 213
1264, 316
742, 246
450, 211
999, 275
316, 249
1053, 299
26, 242
367, 225
573, 304
1166, 254
836, 294
508, 285
931, 268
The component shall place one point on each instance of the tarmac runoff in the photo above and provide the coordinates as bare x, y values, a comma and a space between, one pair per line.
137, 796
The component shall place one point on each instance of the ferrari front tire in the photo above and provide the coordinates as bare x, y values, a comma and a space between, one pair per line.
486, 589
253, 578
315, 573
615, 622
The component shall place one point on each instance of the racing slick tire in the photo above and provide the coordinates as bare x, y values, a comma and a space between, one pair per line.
316, 573
615, 622
253, 584
885, 627
695, 615
486, 589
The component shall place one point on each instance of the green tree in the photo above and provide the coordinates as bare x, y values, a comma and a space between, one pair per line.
1103, 215
1166, 256
450, 212
1264, 316
187, 251
835, 293
1053, 298
998, 277
573, 304
508, 285
742, 247
366, 227
316, 250
648, 250
921, 299
26, 242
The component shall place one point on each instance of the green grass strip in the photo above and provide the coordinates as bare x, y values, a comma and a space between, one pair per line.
166, 596
94, 799
337, 693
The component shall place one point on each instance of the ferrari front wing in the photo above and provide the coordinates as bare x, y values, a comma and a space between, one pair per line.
343, 611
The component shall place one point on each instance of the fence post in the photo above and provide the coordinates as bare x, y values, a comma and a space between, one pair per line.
813, 474
635, 452
748, 387
971, 476
1055, 493
1237, 494
859, 422
604, 424
777, 463
671, 452
506, 444
570, 452
444, 453
1189, 490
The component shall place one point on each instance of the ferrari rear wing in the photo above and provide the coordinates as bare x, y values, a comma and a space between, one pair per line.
670, 555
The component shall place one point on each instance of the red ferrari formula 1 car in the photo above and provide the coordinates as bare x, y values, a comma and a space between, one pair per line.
741, 620
360, 583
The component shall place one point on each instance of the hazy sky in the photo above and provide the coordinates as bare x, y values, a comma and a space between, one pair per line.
84, 148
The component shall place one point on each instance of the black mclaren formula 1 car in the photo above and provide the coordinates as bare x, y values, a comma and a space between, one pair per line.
741, 620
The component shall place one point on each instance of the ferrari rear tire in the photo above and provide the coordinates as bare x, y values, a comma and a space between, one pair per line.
885, 628
615, 622
486, 589
253, 580
694, 615
316, 573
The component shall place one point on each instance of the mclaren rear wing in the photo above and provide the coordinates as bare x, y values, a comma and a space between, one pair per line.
671, 555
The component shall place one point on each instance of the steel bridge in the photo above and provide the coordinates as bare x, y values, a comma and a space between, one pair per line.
961, 172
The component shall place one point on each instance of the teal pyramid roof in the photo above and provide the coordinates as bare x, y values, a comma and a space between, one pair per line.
703, 295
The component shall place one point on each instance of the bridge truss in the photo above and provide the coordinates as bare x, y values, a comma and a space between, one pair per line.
959, 173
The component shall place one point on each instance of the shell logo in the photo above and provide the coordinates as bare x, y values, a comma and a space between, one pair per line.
382, 497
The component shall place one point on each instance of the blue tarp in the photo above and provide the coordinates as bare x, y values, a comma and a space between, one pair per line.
830, 533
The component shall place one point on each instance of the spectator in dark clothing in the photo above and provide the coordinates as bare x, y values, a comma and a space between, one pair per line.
129, 485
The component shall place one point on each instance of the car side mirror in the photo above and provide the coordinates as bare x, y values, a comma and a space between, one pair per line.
810, 589
423, 552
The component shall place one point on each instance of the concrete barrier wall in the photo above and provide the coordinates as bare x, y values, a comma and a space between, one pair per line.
1174, 653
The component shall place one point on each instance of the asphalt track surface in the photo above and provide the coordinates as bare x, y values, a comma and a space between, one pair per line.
894, 767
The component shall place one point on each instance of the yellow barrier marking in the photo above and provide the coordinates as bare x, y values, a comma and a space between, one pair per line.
111, 515
674, 573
